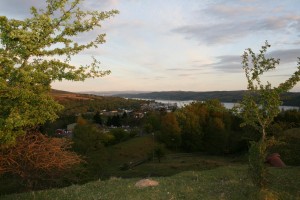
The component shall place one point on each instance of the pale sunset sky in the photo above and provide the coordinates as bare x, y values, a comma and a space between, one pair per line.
188, 45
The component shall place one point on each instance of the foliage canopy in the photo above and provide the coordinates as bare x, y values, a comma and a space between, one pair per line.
36, 51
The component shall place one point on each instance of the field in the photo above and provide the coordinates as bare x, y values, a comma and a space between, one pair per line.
180, 176
228, 182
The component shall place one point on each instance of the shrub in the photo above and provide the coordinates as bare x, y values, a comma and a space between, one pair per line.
87, 137
120, 134
36, 157
289, 147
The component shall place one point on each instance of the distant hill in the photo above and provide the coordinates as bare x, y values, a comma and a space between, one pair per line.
113, 93
60, 95
289, 99
75, 103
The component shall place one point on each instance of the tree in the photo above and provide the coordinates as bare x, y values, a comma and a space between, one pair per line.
87, 137
191, 119
97, 118
159, 152
116, 121
36, 51
261, 104
152, 121
170, 131
205, 126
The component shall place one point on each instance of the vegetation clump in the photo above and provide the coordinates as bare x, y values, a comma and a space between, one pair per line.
36, 158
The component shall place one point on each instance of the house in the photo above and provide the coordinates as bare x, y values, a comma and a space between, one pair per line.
63, 133
138, 115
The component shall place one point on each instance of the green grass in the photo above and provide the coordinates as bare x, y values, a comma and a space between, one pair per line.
107, 162
228, 182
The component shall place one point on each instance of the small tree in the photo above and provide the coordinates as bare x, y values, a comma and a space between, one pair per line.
261, 104
159, 152
36, 51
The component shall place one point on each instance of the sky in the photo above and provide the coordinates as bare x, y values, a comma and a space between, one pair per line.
187, 45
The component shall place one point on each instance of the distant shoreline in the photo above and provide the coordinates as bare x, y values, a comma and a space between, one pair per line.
228, 105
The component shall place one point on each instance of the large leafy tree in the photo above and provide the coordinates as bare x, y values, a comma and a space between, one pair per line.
191, 119
170, 131
36, 51
261, 104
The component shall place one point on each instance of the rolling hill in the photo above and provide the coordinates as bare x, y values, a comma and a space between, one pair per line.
289, 99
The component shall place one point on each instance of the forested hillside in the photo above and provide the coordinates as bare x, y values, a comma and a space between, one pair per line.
289, 99
80, 103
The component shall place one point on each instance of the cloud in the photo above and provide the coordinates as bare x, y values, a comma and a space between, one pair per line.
186, 75
159, 77
228, 22
279, 75
186, 69
194, 74
223, 10
228, 64
232, 63
19, 9
102, 5
285, 56
231, 31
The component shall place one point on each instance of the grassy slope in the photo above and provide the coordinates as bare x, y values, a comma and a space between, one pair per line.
130, 150
190, 178
228, 182
107, 161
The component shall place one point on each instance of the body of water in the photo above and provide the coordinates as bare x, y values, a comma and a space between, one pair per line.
227, 105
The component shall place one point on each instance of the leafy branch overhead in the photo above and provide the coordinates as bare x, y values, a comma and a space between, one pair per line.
49, 33
36, 51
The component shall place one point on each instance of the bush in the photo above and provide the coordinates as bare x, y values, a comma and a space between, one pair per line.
37, 158
120, 134
87, 137
289, 147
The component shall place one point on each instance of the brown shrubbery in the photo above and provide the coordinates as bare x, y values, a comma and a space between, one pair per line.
36, 157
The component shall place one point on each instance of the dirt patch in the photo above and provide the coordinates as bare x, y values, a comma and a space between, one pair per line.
146, 183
